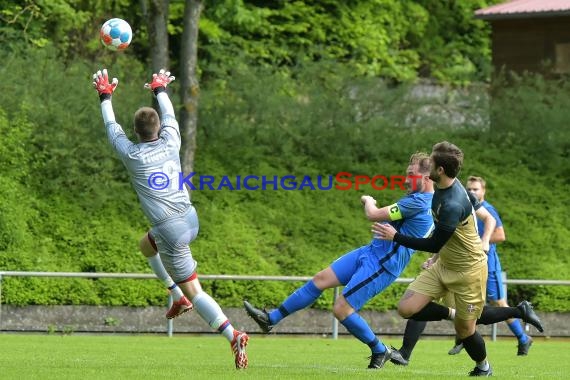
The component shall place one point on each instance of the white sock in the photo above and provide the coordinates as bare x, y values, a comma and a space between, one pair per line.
451, 314
213, 315
484, 365
160, 272
176, 292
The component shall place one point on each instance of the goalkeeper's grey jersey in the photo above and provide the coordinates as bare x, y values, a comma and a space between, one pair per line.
154, 169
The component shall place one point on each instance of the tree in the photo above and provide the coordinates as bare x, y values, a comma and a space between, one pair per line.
156, 14
189, 82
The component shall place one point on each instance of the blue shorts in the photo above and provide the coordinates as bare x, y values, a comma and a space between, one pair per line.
495, 289
362, 276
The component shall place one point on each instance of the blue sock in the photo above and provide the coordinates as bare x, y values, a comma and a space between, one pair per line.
305, 296
518, 331
358, 327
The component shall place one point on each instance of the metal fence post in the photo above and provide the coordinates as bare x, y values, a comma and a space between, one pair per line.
334, 320
504, 278
170, 322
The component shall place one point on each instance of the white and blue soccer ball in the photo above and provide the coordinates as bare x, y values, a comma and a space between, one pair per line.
116, 34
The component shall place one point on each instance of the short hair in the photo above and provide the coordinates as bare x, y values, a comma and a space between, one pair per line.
449, 157
477, 179
423, 161
147, 122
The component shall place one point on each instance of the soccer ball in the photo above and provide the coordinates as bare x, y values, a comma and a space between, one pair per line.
116, 34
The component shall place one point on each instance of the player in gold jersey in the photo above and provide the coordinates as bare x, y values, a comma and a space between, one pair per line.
461, 264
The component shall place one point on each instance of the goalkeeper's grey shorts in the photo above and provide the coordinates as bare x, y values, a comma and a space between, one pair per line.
172, 238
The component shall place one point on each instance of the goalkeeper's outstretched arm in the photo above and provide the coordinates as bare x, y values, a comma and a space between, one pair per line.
158, 86
115, 133
166, 108
169, 129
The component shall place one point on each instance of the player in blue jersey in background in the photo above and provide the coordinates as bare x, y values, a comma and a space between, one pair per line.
368, 270
495, 291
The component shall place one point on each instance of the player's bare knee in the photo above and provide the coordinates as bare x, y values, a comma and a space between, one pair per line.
464, 333
501, 303
464, 328
319, 278
325, 279
342, 309
146, 247
405, 310
410, 303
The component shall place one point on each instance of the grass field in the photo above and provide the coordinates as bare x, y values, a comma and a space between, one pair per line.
26, 356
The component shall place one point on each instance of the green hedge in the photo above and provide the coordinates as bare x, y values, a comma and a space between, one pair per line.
68, 206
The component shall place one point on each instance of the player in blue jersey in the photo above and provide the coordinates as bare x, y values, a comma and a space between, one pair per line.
460, 266
495, 290
168, 208
368, 270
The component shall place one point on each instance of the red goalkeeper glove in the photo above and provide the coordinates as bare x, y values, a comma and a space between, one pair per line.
102, 85
159, 81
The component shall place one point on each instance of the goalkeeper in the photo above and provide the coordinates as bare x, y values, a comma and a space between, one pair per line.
172, 216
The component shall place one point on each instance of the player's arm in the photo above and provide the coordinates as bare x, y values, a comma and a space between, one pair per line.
158, 86
444, 229
384, 214
433, 244
441, 234
498, 235
429, 262
115, 133
484, 215
166, 108
489, 226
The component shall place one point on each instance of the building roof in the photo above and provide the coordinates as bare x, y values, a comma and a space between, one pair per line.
525, 9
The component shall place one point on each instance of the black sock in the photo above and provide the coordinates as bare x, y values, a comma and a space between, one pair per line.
457, 340
432, 312
494, 314
475, 347
411, 336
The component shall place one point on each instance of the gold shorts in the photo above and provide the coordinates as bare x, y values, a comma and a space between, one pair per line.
466, 289
448, 300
